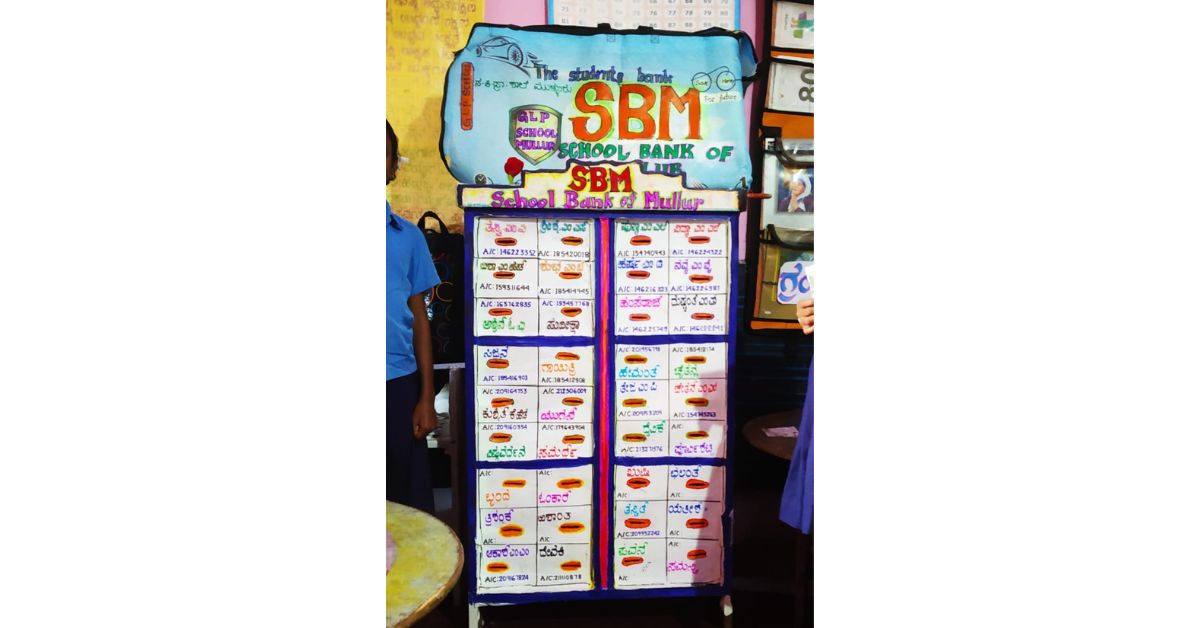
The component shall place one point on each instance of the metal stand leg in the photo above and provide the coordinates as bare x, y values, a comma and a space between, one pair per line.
726, 605
473, 619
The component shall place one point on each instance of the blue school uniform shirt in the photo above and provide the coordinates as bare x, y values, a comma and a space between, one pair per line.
796, 507
409, 272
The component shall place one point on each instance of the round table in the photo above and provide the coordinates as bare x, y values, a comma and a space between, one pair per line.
778, 446
429, 559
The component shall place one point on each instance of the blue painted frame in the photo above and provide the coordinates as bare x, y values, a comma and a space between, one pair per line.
730, 337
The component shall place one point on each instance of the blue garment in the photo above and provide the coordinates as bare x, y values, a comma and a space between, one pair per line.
796, 508
409, 272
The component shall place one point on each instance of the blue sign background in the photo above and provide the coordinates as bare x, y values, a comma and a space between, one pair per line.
545, 66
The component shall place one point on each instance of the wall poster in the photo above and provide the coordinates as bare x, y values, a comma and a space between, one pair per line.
793, 26
790, 87
602, 307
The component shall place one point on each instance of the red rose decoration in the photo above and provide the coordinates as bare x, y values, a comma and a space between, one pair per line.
513, 167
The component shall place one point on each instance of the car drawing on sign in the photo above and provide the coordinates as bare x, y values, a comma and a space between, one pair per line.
509, 51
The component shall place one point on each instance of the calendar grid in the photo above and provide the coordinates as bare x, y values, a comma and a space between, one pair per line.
669, 15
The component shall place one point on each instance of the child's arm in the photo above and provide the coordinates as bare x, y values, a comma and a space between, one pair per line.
424, 417
804, 315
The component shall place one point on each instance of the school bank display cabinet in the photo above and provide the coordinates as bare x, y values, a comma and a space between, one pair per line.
601, 231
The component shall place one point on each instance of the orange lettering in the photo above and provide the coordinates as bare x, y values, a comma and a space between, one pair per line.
691, 98
641, 113
579, 123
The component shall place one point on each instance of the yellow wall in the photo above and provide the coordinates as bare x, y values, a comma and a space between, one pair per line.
422, 36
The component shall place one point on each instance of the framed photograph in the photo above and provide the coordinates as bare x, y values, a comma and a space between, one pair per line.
793, 27
790, 87
773, 256
789, 175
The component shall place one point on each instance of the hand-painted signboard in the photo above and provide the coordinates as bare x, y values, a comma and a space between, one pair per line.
544, 95
601, 186
601, 315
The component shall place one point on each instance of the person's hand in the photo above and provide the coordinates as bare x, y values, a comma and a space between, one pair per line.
804, 315
424, 419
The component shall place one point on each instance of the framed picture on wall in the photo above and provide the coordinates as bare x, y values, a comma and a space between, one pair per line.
789, 175
778, 247
790, 87
793, 26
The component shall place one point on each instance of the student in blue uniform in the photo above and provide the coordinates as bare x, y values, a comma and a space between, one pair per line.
796, 508
410, 414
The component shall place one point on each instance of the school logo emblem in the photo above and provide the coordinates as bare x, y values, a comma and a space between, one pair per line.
534, 131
